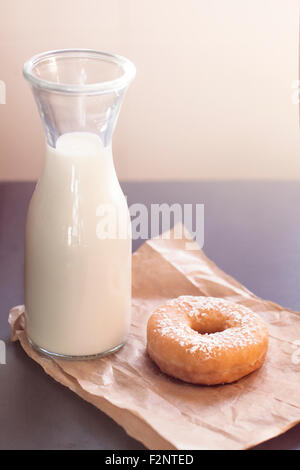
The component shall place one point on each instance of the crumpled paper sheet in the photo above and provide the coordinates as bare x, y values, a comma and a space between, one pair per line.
165, 413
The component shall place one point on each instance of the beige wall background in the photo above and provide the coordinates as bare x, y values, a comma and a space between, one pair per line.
212, 96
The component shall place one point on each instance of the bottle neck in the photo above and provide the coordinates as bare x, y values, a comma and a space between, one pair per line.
79, 159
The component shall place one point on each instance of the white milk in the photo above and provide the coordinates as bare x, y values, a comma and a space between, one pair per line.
77, 278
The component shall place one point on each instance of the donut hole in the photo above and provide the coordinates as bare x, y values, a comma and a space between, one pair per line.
208, 331
208, 324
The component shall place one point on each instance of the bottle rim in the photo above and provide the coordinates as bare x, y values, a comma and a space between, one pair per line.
128, 69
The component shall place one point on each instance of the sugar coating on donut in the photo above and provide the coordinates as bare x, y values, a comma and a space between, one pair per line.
202, 307
207, 329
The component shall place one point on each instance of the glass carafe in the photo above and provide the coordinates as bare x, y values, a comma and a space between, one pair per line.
77, 236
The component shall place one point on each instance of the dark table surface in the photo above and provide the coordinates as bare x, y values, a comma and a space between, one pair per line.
252, 231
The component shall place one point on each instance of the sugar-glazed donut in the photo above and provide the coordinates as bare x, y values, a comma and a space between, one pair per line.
206, 340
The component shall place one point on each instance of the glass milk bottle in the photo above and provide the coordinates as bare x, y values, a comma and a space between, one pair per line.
77, 237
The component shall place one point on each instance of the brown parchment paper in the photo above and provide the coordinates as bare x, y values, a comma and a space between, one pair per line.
165, 413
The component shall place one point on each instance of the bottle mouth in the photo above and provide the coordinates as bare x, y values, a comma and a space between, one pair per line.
79, 71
